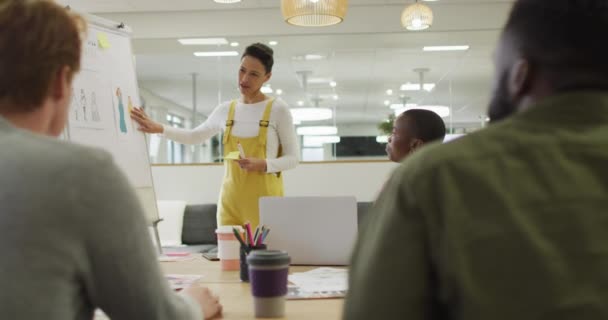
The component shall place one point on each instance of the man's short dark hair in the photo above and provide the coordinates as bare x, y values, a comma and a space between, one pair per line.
425, 125
261, 52
561, 36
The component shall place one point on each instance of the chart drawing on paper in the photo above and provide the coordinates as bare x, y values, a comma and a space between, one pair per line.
94, 108
121, 112
89, 95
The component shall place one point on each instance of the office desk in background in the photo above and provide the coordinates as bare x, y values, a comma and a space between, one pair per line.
236, 297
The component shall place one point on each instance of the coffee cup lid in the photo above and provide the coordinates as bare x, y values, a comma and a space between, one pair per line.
268, 258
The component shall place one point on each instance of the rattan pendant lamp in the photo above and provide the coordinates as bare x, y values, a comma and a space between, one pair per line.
314, 13
417, 16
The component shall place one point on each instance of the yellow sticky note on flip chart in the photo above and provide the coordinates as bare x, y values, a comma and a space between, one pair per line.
102, 38
234, 155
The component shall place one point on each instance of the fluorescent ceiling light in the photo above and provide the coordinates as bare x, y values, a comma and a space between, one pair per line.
300, 103
446, 48
234, 44
216, 54
416, 87
273, 43
311, 57
336, 97
333, 84
311, 114
382, 139
279, 92
387, 102
227, 1
317, 131
266, 89
319, 141
326, 96
203, 41
317, 80
389, 92
442, 111
308, 57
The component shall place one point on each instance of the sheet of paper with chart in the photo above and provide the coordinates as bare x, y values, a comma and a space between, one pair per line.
104, 93
319, 283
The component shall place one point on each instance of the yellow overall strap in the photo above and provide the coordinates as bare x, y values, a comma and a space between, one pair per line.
229, 122
264, 123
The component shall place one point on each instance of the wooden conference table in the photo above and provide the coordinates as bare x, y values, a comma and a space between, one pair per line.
236, 297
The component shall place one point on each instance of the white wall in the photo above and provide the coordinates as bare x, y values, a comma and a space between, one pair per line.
201, 183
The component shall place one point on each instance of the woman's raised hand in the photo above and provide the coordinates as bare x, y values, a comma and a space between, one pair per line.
144, 122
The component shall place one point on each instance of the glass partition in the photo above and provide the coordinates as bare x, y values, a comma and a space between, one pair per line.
340, 88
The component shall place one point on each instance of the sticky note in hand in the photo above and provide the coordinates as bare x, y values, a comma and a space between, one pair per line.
234, 155
102, 38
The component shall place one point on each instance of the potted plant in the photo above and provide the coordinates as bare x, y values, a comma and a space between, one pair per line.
386, 127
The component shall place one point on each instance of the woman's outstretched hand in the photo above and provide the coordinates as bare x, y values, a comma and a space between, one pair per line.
145, 124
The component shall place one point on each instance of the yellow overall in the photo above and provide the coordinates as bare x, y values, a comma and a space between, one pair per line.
241, 189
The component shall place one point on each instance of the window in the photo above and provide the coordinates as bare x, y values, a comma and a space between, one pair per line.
360, 147
176, 151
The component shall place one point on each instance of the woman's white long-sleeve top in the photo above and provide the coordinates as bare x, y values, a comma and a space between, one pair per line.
247, 117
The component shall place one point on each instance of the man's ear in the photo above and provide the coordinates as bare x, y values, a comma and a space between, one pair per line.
60, 87
415, 144
520, 79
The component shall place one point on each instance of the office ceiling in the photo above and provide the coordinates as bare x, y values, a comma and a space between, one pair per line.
366, 55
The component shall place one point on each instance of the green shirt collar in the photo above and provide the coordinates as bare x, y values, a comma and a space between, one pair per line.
569, 109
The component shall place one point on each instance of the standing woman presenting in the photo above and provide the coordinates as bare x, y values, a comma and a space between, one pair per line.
261, 125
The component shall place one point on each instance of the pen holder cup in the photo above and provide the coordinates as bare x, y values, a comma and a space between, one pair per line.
245, 250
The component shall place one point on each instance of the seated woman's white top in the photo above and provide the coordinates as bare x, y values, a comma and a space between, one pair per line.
246, 125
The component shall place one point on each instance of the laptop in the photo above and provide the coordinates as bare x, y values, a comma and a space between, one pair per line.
313, 230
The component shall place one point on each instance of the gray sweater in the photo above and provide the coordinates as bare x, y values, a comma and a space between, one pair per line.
73, 237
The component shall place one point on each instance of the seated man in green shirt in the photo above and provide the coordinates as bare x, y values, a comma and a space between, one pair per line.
72, 232
510, 222
411, 130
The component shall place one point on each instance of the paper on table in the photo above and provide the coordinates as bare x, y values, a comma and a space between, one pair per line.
177, 254
177, 282
319, 283
172, 258
181, 281
294, 293
234, 155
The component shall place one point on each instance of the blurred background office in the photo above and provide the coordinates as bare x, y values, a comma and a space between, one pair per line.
343, 81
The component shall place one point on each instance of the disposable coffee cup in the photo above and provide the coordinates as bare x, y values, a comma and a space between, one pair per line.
268, 270
228, 247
